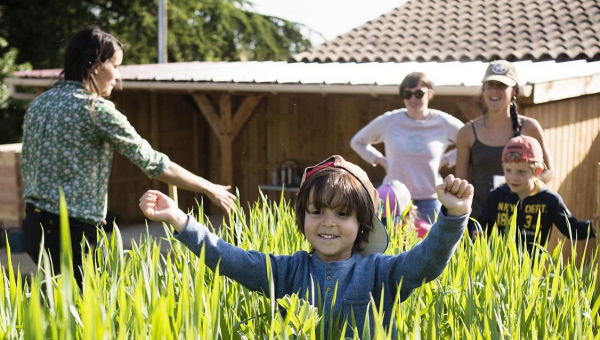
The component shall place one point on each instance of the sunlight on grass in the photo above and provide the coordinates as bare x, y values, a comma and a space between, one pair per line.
490, 289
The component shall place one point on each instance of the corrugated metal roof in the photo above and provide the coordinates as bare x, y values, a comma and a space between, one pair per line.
375, 74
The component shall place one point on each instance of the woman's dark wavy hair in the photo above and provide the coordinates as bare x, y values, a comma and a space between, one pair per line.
514, 114
336, 188
85, 50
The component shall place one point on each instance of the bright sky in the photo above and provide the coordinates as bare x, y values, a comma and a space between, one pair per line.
328, 17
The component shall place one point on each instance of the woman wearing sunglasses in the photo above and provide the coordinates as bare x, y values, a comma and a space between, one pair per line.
481, 141
415, 140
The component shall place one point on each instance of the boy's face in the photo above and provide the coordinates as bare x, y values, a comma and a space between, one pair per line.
519, 177
331, 232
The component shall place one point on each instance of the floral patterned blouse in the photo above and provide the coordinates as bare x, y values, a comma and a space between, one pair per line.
66, 145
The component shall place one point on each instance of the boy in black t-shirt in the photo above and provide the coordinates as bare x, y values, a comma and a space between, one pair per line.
522, 161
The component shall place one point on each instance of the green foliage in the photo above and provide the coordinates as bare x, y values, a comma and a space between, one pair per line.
491, 289
205, 30
36, 32
11, 110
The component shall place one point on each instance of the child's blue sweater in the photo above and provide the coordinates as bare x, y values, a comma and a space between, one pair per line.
357, 278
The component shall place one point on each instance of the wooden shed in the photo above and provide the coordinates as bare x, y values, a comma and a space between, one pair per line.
242, 123
239, 123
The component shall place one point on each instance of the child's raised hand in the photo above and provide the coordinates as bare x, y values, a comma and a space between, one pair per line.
160, 207
456, 195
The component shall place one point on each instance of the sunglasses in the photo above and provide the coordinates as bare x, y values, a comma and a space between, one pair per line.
407, 94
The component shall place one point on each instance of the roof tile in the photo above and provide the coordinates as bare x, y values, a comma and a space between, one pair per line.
470, 30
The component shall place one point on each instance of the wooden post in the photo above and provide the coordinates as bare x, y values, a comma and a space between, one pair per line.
154, 140
226, 139
173, 193
227, 126
209, 113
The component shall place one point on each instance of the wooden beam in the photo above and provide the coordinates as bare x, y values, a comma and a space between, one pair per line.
226, 125
173, 193
565, 88
154, 140
225, 113
227, 160
226, 140
208, 112
244, 113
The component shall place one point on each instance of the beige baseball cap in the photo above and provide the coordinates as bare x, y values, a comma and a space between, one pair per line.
378, 238
502, 71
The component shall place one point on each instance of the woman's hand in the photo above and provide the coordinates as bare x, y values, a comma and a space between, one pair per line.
220, 195
160, 207
456, 195
182, 178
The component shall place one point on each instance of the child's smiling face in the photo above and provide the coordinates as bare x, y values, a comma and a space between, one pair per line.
519, 177
331, 232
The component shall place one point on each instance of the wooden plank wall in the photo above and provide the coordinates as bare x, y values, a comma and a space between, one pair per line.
303, 127
309, 127
571, 128
172, 125
12, 206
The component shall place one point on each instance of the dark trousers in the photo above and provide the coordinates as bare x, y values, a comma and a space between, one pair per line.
36, 219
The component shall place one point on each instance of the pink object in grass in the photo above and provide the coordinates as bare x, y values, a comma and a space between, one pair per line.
398, 196
422, 227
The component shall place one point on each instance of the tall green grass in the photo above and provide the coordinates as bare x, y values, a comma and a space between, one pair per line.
490, 289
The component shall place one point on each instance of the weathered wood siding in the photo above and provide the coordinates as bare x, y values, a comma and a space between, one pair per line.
172, 125
309, 127
303, 127
571, 129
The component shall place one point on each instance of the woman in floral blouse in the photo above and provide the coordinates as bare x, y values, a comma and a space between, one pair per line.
70, 134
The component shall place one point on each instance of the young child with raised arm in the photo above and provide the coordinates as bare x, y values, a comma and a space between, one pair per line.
336, 212
522, 162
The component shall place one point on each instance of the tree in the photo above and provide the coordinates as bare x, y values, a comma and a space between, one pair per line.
37, 31
11, 110
202, 30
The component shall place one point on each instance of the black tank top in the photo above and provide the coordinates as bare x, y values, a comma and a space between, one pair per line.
486, 162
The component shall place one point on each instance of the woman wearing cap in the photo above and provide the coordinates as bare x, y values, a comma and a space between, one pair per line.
415, 140
481, 141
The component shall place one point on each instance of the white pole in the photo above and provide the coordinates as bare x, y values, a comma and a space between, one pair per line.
162, 31
162, 58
